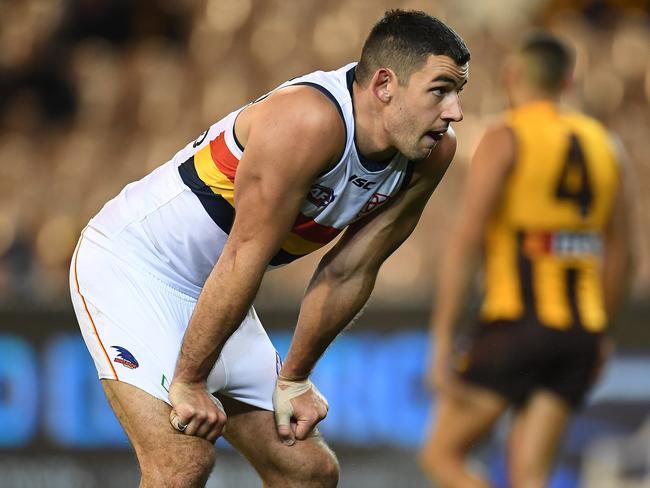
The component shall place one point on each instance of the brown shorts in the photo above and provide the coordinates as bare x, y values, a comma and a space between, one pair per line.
514, 359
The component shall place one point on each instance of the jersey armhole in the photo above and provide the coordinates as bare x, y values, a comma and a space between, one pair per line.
336, 103
325, 92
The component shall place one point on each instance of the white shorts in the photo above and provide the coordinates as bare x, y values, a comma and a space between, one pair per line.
133, 325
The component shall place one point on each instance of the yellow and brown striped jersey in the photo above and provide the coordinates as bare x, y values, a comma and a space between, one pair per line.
544, 243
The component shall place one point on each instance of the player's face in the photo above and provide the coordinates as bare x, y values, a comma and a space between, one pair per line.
423, 109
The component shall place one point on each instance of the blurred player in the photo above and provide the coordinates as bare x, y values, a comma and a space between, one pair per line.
545, 204
163, 278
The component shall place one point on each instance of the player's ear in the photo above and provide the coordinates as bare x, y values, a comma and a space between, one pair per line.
508, 71
383, 83
567, 84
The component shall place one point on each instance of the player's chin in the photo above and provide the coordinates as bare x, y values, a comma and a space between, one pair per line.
423, 151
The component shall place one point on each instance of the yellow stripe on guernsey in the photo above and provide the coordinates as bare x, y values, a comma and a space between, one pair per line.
211, 176
294, 244
209, 172
543, 246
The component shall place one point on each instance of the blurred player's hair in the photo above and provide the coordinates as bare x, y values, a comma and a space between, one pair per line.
548, 61
403, 40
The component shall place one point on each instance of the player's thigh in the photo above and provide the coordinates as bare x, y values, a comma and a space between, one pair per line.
158, 445
252, 431
465, 414
535, 435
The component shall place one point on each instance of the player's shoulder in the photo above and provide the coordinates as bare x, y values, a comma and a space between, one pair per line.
303, 118
303, 104
587, 123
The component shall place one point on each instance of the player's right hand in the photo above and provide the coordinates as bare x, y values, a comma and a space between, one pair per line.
195, 411
298, 407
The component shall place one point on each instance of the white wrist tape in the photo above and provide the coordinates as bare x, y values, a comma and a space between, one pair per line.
285, 391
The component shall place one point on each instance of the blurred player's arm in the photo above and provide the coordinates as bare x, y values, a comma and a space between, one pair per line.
619, 239
346, 275
285, 151
491, 165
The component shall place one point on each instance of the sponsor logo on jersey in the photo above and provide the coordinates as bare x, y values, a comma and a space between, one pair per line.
320, 196
362, 183
376, 201
563, 244
125, 358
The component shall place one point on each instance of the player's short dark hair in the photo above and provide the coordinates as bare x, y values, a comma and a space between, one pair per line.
403, 40
550, 60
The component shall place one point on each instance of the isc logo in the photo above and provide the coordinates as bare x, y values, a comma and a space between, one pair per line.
362, 182
321, 196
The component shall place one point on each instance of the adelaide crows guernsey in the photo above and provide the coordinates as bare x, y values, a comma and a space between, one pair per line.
544, 244
176, 219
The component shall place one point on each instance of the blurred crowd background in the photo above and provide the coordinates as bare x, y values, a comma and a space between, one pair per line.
96, 93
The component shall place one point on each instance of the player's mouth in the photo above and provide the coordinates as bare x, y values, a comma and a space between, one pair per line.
437, 135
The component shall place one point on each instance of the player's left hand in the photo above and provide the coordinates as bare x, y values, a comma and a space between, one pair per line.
298, 407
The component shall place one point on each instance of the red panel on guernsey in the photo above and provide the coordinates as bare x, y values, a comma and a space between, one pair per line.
313, 231
223, 159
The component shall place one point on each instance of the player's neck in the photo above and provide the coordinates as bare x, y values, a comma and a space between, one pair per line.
528, 95
370, 135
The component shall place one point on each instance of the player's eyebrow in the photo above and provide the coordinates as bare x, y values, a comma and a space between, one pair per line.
447, 79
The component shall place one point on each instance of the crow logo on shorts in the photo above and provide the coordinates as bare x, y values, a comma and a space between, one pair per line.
125, 358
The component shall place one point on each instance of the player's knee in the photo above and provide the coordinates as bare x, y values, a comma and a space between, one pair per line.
428, 460
321, 470
176, 468
328, 470
430, 455
318, 471
435, 459
528, 478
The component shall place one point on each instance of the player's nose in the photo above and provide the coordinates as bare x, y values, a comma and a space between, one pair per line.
453, 111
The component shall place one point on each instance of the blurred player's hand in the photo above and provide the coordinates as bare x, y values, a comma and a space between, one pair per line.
298, 407
195, 411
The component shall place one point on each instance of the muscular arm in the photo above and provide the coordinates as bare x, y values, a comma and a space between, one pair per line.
617, 262
285, 151
346, 276
490, 168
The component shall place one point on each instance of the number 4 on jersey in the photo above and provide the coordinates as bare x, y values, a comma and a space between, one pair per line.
574, 184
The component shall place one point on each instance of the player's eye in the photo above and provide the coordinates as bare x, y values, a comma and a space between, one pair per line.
438, 91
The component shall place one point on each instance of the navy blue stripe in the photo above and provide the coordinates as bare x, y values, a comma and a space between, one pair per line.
349, 78
370, 164
333, 99
328, 94
217, 207
234, 136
